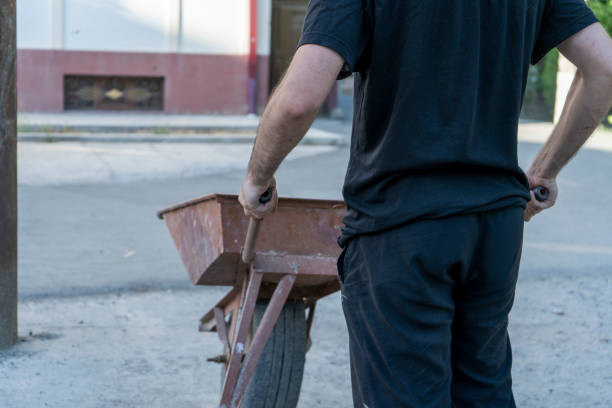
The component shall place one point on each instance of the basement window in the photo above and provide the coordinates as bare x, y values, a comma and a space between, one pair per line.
113, 93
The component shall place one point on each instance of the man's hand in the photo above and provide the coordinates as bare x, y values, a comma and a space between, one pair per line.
251, 192
534, 206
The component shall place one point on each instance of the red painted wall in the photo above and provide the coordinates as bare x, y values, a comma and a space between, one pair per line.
193, 83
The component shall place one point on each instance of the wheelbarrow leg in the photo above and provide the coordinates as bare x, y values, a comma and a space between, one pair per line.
311, 304
279, 297
242, 329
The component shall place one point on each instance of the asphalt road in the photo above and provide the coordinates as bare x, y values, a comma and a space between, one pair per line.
108, 317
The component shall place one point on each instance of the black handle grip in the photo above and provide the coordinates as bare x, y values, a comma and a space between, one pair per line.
267, 195
541, 193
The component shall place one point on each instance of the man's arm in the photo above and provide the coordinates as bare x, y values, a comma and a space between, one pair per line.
588, 101
291, 110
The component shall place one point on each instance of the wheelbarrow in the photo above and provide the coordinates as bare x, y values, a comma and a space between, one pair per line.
276, 276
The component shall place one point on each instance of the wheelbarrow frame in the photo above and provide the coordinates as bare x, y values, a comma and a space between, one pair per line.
261, 275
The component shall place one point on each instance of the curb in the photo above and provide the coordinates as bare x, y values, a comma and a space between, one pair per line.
164, 129
319, 138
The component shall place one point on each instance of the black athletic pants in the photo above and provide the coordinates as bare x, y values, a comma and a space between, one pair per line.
426, 305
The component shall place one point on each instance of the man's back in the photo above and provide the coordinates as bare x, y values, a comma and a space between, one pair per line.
438, 92
436, 199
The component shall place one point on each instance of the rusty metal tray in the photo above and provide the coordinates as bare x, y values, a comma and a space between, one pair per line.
300, 236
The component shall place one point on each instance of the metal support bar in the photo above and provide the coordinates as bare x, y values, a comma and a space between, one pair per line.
8, 175
238, 344
261, 336
221, 327
244, 286
208, 322
233, 322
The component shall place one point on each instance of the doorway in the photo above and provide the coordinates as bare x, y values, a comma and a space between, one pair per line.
287, 21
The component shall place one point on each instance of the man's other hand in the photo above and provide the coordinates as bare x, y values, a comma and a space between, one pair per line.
534, 206
588, 101
250, 194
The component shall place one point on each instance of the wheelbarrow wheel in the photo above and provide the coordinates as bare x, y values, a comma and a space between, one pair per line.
277, 379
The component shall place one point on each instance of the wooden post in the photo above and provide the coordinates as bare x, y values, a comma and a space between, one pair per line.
8, 175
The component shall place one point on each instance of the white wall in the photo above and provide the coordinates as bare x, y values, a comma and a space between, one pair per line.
202, 26
117, 25
565, 77
215, 26
34, 24
264, 26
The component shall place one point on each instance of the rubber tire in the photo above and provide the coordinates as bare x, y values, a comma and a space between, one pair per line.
277, 379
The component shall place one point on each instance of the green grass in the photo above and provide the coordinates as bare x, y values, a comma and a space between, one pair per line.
161, 130
47, 129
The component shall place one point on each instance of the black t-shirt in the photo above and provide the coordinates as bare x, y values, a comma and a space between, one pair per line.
438, 90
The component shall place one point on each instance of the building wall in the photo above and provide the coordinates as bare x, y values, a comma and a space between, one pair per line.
200, 47
34, 24
264, 40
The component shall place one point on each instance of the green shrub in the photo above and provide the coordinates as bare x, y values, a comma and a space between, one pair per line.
603, 11
539, 101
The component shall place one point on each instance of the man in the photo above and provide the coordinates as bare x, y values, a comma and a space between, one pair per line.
436, 200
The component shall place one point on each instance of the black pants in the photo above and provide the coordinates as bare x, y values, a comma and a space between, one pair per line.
426, 305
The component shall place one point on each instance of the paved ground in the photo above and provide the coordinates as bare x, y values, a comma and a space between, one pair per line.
77, 163
108, 317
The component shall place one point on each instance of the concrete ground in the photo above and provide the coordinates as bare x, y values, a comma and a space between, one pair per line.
108, 317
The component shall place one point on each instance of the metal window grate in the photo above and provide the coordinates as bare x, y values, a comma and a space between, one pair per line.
113, 93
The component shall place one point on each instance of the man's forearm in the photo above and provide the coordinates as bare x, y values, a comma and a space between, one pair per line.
292, 108
588, 101
280, 130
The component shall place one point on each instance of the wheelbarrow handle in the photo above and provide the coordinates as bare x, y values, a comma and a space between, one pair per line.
248, 252
541, 193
